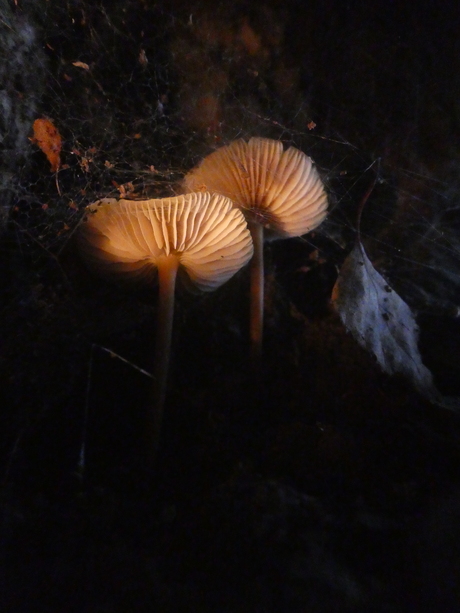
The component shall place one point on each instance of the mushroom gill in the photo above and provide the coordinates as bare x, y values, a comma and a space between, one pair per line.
200, 235
279, 191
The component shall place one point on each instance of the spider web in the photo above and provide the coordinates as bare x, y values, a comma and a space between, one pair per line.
140, 91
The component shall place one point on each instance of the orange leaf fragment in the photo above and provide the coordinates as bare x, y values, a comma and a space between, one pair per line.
47, 137
83, 65
126, 190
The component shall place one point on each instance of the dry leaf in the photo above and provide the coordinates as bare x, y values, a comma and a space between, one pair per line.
84, 163
383, 324
380, 320
81, 65
126, 190
47, 137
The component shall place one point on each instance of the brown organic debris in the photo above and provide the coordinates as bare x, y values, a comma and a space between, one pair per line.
47, 138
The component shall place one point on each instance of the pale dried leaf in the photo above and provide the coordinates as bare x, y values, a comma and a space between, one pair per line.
380, 320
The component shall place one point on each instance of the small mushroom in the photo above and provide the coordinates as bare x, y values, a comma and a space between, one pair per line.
201, 236
279, 191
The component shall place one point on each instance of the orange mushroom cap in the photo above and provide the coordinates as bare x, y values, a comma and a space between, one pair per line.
281, 189
126, 238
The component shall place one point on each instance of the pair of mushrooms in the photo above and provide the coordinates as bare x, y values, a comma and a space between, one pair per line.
240, 194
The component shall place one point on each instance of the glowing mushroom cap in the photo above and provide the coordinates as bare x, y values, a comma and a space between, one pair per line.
280, 189
126, 238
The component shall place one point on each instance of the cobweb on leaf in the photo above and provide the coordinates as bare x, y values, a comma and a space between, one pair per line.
380, 320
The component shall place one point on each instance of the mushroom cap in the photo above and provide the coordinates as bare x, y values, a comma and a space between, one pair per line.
128, 238
280, 189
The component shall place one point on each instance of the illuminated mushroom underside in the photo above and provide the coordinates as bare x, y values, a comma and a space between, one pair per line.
200, 235
280, 193
280, 189
130, 239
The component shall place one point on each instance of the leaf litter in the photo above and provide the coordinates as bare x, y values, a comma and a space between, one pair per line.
380, 320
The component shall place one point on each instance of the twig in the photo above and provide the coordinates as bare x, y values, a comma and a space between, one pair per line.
82, 456
115, 355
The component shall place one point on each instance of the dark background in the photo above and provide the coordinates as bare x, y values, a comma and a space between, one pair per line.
318, 485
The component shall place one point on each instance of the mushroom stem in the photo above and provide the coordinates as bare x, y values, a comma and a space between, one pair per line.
167, 273
257, 291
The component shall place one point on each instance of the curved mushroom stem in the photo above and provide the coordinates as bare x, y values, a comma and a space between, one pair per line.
257, 291
167, 273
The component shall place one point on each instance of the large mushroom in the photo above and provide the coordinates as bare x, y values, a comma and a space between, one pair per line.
279, 191
200, 235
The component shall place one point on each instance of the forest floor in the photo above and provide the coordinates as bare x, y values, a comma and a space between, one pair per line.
314, 482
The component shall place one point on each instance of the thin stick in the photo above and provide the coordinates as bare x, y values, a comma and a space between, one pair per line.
84, 430
167, 272
257, 291
112, 354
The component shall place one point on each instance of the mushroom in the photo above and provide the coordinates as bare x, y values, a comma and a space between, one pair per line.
201, 236
279, 191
